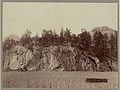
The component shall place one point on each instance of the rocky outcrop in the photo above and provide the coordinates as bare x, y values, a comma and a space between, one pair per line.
103, 30
17, 57
59, 58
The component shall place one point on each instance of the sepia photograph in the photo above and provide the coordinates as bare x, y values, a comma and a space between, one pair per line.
59, 45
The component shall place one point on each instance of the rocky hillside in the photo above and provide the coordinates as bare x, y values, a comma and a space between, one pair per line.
86, 51
59, 58
103, 30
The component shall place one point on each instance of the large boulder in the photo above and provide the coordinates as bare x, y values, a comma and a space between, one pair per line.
18, 55
6, 59
49, 58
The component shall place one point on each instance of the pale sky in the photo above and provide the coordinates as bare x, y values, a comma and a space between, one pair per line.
19, 16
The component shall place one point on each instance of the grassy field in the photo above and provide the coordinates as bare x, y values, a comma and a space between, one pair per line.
44, 79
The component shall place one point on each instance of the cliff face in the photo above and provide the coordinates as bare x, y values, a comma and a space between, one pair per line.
16, 57
59, 58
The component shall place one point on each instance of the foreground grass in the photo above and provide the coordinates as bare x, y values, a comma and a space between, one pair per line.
44, 79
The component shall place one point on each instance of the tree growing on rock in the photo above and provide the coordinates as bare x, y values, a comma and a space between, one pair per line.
98, 45
113, 45
26, 39
67, 35
74, 40
61, 37
100, 48
85, 41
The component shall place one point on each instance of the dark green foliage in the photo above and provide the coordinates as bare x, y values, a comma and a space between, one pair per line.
26, 39
85, 40
98, 45
49, 38
113, 46
74, 40
61, 38
67, 35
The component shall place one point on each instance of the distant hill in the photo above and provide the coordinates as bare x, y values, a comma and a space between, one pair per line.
104, 29
12, 36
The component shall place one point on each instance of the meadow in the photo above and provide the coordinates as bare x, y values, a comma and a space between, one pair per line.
55, 79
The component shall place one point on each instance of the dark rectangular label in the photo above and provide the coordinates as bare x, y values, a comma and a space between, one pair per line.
96, 80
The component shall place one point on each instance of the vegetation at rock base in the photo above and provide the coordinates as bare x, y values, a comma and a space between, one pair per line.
65, 51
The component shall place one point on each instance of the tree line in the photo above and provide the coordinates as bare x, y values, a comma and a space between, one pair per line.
99, 45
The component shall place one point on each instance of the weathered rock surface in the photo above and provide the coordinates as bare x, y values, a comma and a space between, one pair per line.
57, 58
16, 57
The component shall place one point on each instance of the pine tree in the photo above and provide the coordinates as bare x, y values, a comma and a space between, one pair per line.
85, 40
73, 40
98, 45
26, 38
113, 45
62, 38
67, 35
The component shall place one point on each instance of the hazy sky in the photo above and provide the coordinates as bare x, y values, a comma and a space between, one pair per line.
17, 17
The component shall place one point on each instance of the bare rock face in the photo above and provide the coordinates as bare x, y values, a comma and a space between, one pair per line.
103, 30
59, 58
49, 58
6, 59
85, 62
53, 58
19, 56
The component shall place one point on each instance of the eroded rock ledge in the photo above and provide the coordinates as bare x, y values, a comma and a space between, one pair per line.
59, 58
